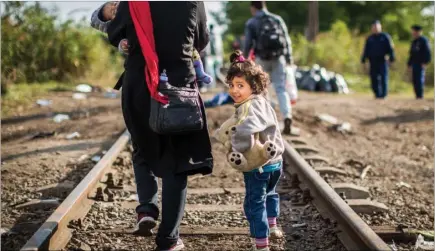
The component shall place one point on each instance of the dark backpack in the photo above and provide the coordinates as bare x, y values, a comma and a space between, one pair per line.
271, 41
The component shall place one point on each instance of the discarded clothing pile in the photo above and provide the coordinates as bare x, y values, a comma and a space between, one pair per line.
320, 80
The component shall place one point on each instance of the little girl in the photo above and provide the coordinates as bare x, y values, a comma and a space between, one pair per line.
247, 85
101, 19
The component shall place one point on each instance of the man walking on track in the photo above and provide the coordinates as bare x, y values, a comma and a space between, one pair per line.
267, 34
378, 45
419, 58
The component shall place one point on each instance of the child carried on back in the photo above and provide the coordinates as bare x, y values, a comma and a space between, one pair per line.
108, 13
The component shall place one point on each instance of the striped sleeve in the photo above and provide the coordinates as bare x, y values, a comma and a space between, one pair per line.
97, 23
244, 112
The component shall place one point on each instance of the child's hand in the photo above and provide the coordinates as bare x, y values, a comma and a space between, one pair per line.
123, 46
109, 10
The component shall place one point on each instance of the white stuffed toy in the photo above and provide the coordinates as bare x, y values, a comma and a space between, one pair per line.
256, 157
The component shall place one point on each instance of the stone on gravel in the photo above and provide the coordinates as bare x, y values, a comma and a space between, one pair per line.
96, 158
421, 244
133, 197
110, 94
4, 230
393, 246
403, 184
73, 135
327, 118
79, 96
299, 225
84, 88
84, 247
365, 171
343, 127
44, 102
60, 117
83, 158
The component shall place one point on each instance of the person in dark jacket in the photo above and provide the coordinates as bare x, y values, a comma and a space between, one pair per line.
377, 47
178, 27
273, 60
419, 58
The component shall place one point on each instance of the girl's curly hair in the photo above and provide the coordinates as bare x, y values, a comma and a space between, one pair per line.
253, 73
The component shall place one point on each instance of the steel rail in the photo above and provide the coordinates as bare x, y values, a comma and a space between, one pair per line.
354, 233
54, 233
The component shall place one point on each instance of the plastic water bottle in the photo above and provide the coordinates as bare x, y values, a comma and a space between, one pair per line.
163, 76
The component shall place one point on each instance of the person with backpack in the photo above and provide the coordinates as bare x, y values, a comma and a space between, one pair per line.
267, 35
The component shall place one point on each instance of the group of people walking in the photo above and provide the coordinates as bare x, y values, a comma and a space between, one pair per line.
164, 38
379, 51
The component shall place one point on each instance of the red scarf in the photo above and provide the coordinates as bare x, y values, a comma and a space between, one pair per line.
143, 24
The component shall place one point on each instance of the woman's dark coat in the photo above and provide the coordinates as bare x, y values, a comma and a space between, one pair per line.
178, 27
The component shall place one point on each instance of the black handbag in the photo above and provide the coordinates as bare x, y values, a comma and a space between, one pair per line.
181, 115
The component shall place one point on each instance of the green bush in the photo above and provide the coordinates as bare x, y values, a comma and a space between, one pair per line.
36, 48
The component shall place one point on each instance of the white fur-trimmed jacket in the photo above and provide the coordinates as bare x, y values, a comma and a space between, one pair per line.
255, 115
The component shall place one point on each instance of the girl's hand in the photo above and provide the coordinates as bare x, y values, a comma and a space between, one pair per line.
123, 46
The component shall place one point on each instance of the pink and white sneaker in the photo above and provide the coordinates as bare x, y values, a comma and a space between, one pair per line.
178, 246
144, 225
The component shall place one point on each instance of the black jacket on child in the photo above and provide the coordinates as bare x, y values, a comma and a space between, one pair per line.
178, 27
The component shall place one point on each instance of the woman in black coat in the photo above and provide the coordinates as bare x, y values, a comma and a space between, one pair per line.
178, 27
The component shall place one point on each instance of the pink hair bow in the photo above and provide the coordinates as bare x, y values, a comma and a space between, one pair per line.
240, 59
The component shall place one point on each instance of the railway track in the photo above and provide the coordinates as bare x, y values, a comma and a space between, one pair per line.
100, 202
